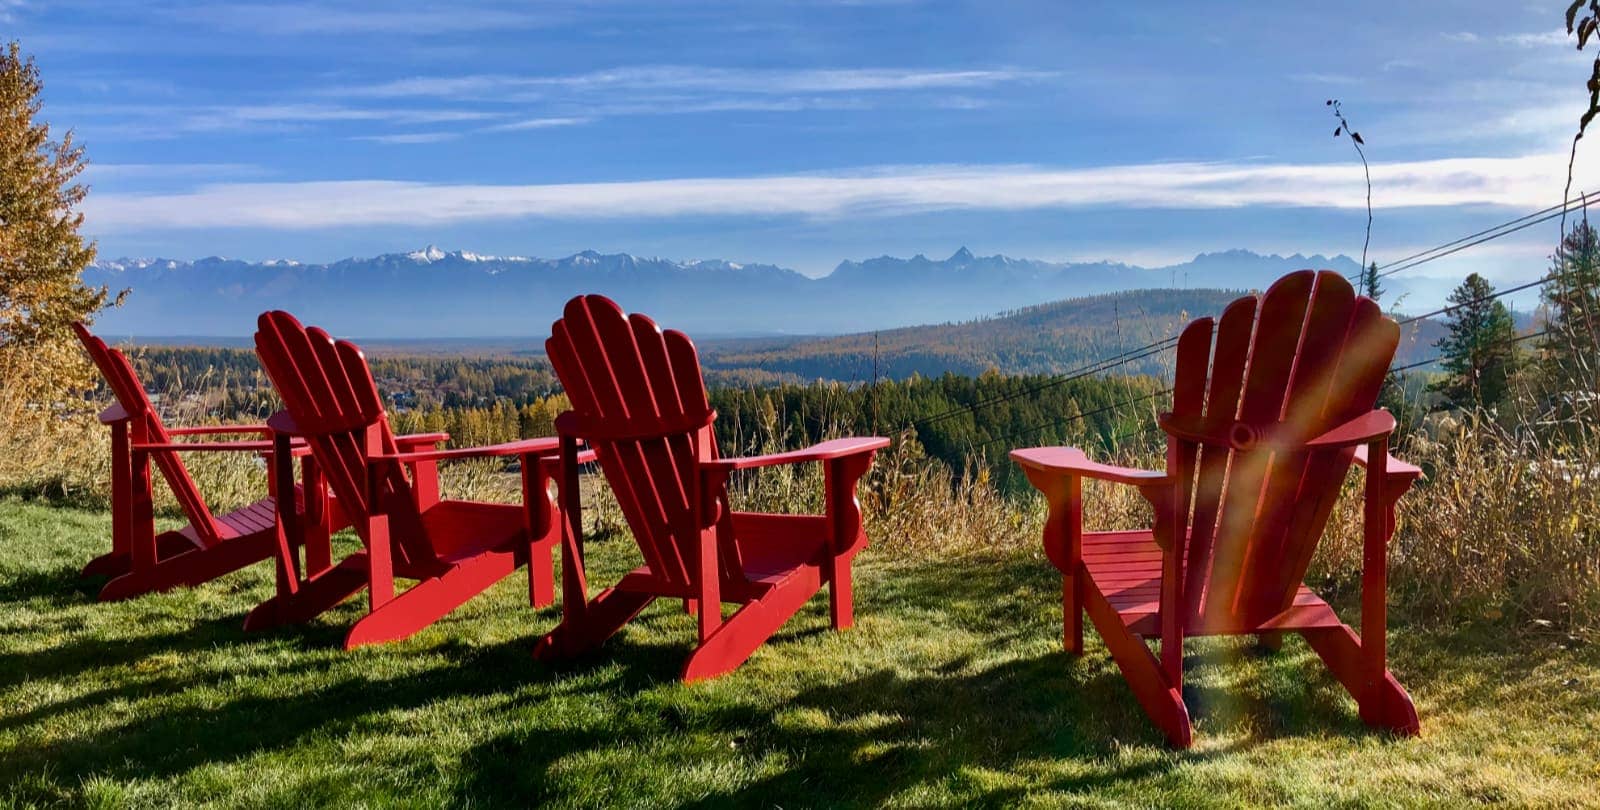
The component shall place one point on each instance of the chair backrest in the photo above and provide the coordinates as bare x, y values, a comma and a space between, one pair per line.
1306, 356
145, 426
640, 392
328, 390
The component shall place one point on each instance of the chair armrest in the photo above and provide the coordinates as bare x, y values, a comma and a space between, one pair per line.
218, 430
1393, 467
547, 446
823, 451
1072, 461
413, 440
113, 415
253, 447
1371, 425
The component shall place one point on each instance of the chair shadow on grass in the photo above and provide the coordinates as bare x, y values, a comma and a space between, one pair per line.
866, 739
861, 738
57, 587
172, 741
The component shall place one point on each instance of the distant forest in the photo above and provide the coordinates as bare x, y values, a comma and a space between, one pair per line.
488, 400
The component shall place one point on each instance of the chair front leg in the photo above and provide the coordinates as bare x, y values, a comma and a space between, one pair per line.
380, 553
1169, 534
1063, 546
574, 580
287, 531
1377, 520
708, 565
840, 477
115, 562
539, 522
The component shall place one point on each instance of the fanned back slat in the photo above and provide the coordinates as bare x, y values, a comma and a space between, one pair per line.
624, 370
1222, 399
1188, 397
1310, 387
1280, 321
328, 389
1367, 349
1309, 356
119, 375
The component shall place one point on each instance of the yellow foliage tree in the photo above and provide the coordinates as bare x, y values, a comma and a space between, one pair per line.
42, 257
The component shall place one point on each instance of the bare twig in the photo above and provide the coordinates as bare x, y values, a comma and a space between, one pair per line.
1357, 142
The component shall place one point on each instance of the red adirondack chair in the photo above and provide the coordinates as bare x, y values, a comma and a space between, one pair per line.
1256, 452
390, 489
142, 560
639, 401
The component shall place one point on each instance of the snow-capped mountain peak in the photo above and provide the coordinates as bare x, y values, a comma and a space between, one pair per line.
427, 255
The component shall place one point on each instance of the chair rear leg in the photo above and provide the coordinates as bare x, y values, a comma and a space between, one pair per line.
599, 620
1161, 699
109, 564
180, 564
314, 596
1383, 704
1270, 641
430, 600
741, 634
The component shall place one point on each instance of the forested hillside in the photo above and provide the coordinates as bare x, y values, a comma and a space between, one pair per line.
1047, 339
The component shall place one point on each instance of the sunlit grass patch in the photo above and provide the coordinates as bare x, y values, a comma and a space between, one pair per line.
952, 690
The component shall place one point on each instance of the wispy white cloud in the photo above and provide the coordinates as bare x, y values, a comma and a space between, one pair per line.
1524, 182
165, 121
170, 171
679, 78
1543, 39
536, 123
303, 19
1459, 36
409, 137
1324, 78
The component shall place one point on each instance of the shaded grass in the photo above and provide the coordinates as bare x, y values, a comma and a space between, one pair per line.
952, 690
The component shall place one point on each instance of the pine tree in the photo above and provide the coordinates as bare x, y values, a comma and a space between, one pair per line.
1570, 356
1371, 286
1478, 351
42, 255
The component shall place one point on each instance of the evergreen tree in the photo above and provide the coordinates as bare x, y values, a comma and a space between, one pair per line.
1371, 285
1478, 351
1570, 356
42, 255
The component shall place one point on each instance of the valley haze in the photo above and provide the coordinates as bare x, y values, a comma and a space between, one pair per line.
432, 293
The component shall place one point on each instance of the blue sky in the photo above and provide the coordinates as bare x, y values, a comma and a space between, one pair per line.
802, 133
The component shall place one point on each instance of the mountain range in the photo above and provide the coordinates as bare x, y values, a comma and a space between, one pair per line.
431, 293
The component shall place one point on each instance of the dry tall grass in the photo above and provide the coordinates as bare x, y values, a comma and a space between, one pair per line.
1502, 525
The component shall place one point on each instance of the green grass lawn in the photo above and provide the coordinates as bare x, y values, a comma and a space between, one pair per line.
952, 690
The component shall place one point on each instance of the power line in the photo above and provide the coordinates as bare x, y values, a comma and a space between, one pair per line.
1463, 246
1569, 205
1480, 299
1070, 419
1421, 363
